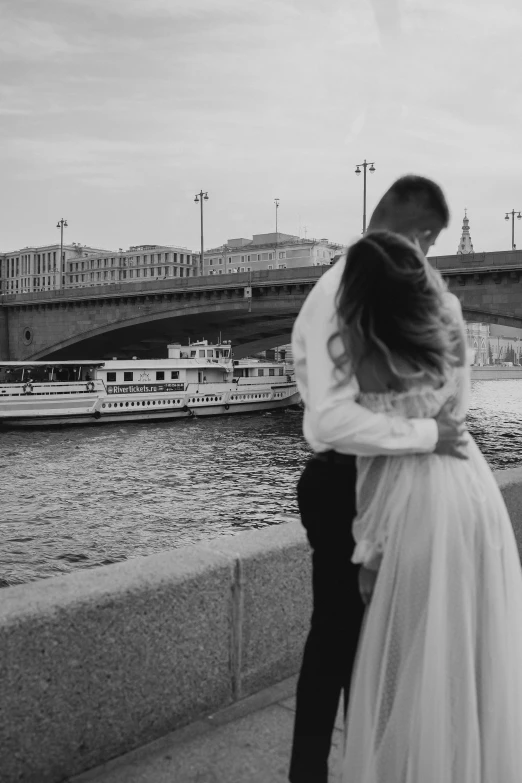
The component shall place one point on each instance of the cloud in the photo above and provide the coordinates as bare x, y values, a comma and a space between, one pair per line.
32, 40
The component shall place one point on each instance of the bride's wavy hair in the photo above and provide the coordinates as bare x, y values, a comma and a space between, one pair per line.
391, 300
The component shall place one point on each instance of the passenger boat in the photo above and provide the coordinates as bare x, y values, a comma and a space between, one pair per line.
199, 379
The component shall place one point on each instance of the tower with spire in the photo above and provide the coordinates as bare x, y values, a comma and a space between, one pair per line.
465, 245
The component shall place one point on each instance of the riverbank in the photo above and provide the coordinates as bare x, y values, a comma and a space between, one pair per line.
106, 660
496, 373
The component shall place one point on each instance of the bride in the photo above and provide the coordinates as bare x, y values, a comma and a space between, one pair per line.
436, 694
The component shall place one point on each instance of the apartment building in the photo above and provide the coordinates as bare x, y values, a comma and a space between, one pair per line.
268, 251
140, 262
38, 268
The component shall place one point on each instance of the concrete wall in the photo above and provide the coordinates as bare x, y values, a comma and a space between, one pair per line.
99, 662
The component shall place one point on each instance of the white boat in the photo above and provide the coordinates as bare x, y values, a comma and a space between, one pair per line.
199, 379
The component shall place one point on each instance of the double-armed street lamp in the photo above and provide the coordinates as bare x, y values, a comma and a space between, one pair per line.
61, 266
200, 197
519, 216
358, 171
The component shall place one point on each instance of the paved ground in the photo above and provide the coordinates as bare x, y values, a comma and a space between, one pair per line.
248, 742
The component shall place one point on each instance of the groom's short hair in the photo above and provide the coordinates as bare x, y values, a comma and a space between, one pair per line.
410, 200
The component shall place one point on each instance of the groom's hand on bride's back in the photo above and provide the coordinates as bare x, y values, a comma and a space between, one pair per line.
452, 434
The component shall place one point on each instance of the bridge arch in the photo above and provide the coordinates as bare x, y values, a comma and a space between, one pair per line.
251, 329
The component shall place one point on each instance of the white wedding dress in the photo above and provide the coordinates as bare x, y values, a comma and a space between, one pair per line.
436, 695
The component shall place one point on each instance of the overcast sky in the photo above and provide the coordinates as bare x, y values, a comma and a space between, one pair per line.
114, 113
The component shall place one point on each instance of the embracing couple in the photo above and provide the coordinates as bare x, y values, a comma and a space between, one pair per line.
417, 584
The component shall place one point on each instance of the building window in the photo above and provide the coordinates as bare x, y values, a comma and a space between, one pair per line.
270, 266
221, 261
160, 375
271, 372
174, 375
282, 254
260, 372
128, 376
111, 377
281, 266
181, 258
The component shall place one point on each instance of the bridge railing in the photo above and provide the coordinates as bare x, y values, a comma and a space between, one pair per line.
485, 261
139, 287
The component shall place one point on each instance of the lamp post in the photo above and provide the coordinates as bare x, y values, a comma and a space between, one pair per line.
61, 266
276, 202
519, 216
358, 171
199, 199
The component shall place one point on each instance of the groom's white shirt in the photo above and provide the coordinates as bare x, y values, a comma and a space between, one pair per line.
333, 419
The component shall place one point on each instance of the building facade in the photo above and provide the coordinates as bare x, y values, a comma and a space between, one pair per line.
494, 344
140, 262
268, 251
38, 268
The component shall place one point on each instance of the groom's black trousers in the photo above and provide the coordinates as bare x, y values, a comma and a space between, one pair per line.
326, 497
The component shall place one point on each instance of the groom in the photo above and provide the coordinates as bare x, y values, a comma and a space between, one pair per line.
337, 429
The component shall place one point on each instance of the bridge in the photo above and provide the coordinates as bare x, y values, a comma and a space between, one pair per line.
256, 311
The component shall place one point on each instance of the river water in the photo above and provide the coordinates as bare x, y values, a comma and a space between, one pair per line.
79, 497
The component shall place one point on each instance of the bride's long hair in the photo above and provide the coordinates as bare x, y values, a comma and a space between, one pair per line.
391, 301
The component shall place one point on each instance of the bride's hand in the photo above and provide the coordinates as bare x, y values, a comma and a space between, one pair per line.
367, 579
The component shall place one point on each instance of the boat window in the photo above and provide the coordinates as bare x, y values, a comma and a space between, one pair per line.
225, 353
202, 354
260, 372
111, 376
174, 374
160, 375
281, 371
128, 376
271, 372
192, 354
210, 353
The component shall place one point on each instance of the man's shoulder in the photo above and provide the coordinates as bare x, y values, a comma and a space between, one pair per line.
328, 283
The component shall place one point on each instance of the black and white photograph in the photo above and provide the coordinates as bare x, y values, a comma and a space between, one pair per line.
260, 391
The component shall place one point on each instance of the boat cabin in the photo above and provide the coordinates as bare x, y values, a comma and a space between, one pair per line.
198, 362
47, 372
258, 371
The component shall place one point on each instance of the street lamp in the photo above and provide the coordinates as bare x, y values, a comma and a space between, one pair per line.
200, 197
519, 216
276, 202
61, 224
358, 171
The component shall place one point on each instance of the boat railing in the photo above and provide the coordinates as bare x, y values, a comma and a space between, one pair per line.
28, 388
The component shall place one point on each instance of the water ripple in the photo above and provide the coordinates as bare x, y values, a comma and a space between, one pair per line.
78, 497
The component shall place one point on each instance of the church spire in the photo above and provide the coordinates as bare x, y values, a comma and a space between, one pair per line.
465, 245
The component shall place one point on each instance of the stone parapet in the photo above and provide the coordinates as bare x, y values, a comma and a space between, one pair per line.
99, 662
